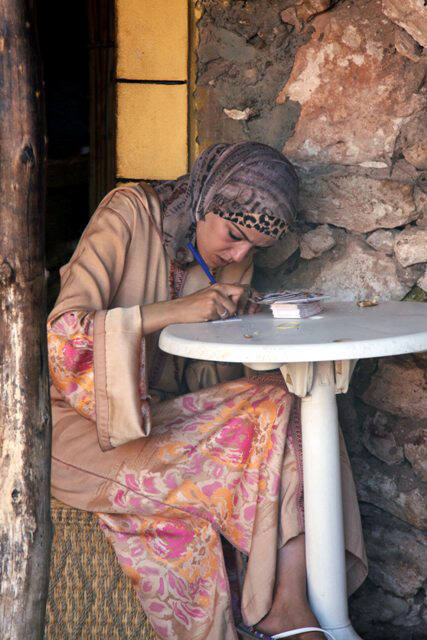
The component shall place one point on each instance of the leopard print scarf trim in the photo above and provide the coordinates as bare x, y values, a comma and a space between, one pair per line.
262, 222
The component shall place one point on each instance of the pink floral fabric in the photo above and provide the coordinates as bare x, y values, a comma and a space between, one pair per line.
70, 345
218, 470
214, 465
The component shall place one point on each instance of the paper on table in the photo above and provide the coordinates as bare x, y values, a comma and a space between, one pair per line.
228, 320
293, 297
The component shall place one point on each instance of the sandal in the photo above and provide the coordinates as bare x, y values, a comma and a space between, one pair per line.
253, 634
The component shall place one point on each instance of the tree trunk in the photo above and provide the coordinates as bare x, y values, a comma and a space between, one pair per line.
25, 529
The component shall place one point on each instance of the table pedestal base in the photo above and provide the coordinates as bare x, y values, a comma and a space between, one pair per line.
345, 633
317, 384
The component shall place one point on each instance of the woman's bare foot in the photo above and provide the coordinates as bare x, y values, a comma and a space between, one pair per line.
291, 616
290, 608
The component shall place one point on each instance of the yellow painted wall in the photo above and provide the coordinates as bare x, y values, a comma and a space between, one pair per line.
152, 117
151, 131
152, 39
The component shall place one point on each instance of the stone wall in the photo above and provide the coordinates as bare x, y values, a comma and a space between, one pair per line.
337, 85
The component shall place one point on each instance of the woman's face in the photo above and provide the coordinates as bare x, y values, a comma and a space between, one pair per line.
220, 241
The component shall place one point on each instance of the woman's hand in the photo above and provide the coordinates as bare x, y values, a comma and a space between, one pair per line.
216, 302
247, 302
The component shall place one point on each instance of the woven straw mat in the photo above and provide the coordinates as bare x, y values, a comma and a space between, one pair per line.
89, 596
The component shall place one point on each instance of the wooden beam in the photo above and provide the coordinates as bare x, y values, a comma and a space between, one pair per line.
25, 529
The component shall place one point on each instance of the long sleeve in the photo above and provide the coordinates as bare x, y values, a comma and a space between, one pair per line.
96, 349
70, 345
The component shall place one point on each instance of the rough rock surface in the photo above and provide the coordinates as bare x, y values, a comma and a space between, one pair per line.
395, 490
374, 605
349, 58
410, 246
384, 539
277, 254
407, 46
403, 171
355, 202
392, 487
422, 282
420, 197
411, 15
413, 140
350, 271
416, 453
315, 242
303, 11
382, 240
393, 596
244, 57
380, 440
398, 387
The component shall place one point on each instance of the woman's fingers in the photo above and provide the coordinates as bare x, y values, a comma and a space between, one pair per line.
253, 307
214, 302
226, 305
244, 296
244, 304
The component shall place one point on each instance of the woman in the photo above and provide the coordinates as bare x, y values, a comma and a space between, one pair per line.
168, 454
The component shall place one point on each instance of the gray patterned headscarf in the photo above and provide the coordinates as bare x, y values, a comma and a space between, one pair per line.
249, 183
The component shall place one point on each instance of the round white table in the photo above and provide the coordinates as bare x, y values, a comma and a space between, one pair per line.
316, 357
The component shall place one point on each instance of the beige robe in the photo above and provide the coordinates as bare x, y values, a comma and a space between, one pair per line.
118, 267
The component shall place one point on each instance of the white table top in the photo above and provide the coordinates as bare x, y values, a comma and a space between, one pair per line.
343, 331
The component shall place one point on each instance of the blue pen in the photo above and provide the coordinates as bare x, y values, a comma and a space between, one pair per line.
201, 262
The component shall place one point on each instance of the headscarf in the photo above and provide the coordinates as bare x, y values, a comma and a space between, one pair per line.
249, 183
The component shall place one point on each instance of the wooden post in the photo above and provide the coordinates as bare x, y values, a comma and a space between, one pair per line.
25, 530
